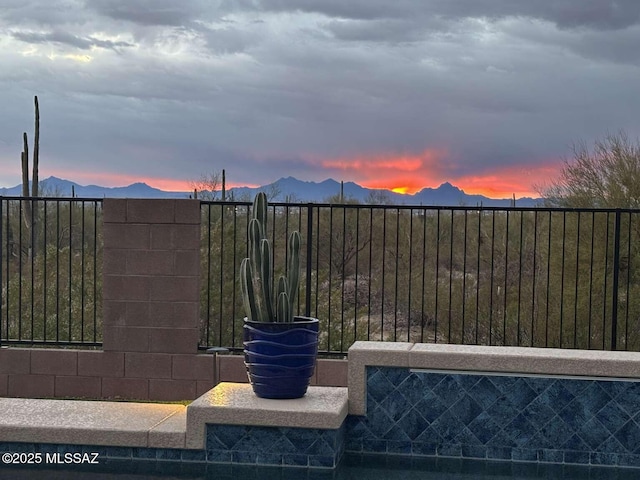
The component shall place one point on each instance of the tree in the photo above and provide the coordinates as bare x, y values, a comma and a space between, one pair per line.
606, 176
379, 197
207, 187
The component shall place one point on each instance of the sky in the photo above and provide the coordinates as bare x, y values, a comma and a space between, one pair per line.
489, 95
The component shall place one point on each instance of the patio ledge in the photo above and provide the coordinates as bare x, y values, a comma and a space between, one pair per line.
236, 404
79, 422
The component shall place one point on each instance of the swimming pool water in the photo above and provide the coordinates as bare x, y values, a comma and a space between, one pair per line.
353, 467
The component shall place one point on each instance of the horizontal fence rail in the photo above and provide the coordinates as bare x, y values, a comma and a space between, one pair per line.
51, 271
536, 277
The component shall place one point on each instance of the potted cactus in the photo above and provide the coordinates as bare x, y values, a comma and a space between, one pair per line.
280, 349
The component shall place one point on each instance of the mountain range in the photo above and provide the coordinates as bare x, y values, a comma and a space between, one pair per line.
289, 189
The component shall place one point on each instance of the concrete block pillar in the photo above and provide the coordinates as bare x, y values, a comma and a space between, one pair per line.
151, 276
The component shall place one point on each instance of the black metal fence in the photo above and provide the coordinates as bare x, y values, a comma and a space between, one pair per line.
490, 276
469, 275
51, 271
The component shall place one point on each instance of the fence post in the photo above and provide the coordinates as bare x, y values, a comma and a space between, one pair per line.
307, 300
616, 271
2, 260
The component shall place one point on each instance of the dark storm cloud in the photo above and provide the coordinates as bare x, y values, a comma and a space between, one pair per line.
41, 12
382, 30
619, 47
275, 87
83, 43
151, 12
227, 39
600, 14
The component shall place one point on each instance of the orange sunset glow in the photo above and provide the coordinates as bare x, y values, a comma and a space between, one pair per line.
401, 173
408, 174
521, 181
404, 174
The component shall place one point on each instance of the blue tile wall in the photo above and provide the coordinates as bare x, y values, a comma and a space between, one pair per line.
248, 445
108, 453
498, 417
300, 447
423, 414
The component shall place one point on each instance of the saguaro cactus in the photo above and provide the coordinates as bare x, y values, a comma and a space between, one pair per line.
36, 150
36, 156
261, 303
29, 216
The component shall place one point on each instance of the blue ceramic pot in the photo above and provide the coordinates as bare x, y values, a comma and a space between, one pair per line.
280, 357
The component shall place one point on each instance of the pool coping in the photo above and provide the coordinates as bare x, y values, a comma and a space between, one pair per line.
83, 422
236, 404
188, 433
153, 425
480, 359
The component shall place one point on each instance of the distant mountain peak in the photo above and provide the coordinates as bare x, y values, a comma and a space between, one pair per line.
288, 187
329, 181
448, 186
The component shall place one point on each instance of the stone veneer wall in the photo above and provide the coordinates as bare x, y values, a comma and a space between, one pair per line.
226, 444
567, 406
555, 420
151, 315
278, 446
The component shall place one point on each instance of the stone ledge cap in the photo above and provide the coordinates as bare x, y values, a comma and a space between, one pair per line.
236, 404
531, 360
169, 432
362, 354
81, 422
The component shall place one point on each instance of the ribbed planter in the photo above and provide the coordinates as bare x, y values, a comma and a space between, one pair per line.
281, 357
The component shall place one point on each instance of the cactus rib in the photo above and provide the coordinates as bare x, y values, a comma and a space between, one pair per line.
259, 300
